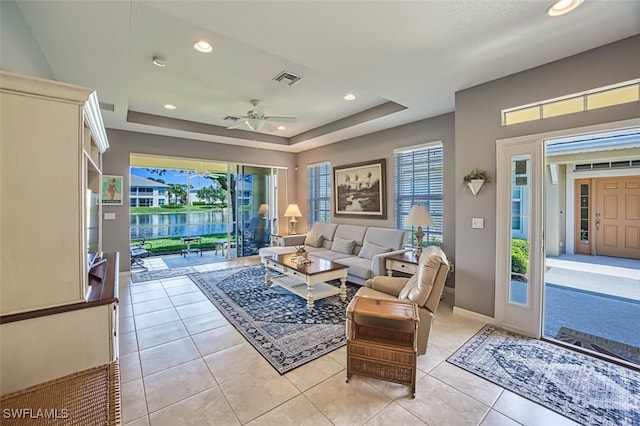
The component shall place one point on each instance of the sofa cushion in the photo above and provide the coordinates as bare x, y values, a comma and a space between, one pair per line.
340, 245
369, 250
314, 240
358, 266
327, 230
419, 287
385, 237
329, 255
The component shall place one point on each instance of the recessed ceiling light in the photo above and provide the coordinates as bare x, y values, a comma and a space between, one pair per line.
159, 61
281, 128
203, 46
169, 106
561, 7
349, 97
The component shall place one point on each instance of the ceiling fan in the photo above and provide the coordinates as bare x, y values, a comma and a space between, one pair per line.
256, 119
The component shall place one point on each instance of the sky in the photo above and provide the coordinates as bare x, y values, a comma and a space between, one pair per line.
173, 176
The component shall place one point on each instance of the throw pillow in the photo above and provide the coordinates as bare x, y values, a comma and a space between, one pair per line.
369, 250
340, 245
313, 240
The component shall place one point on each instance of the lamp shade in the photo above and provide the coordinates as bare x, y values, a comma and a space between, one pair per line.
419, 216
293, 211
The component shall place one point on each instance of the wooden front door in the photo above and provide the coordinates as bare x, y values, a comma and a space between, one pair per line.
617, 217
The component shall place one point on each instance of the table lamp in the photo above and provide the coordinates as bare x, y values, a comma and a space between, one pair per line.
419, 216
292, 211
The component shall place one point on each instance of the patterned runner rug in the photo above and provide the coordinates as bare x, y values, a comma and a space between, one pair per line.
588, 390
275, 321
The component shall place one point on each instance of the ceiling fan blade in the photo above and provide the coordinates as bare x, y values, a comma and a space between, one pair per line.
238, 124
281, 119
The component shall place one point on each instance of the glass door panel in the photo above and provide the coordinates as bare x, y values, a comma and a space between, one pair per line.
520, 224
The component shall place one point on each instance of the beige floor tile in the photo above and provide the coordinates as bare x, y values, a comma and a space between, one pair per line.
528, 413
394, 414
206, 322
206, 408
392, 390
127, 325
233, 362
156, 318
472, 385
195, 309
143, 421
152, 306
160, 334
188, 298
177, 383
437, 403
309, 375
147, 286
130, 367
176, 282
125, 310
257, 392
340, 355
167, 355
217, 339
148, 295
494, 418
182, 289
351, 403
297, 411
128, 343
134, 405
434, 356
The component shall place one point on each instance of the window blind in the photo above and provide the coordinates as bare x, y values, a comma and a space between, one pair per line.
319, 193
419, 180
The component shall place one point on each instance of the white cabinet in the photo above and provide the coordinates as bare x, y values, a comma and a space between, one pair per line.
48, 158
54, 318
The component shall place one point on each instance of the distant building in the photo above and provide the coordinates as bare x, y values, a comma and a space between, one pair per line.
147, 193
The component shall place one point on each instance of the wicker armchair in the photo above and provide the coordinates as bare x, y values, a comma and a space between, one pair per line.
424, 289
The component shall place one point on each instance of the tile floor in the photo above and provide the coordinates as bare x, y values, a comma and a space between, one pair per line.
182, 363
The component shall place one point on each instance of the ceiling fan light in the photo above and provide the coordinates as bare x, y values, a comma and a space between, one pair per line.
203, 46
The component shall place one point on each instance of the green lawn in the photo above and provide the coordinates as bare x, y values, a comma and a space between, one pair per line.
168, 245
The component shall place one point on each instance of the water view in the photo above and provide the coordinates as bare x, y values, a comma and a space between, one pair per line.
165, 225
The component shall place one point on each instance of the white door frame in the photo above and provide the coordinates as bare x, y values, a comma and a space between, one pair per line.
527, 320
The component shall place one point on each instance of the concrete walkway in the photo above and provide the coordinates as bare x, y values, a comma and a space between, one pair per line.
600, 274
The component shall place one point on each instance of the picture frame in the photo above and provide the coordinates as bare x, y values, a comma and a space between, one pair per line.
112, 190
359, 190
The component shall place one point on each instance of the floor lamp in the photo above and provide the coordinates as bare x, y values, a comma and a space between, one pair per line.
292, 211
419, 216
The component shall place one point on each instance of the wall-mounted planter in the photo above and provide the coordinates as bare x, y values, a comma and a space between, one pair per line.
475, 185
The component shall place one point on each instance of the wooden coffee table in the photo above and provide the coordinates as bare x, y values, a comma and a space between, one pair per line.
307, 281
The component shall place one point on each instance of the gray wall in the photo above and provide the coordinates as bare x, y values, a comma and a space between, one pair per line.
477, 128
19, 51
381, 145
115, 233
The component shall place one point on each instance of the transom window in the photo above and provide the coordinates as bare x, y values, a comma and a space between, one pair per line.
419, 180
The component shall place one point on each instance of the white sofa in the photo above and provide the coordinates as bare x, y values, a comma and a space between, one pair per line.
362, 248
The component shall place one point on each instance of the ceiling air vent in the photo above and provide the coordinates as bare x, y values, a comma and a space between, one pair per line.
287, 78
107, 106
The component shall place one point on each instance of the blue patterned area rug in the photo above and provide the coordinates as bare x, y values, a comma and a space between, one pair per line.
276, 322
585, 389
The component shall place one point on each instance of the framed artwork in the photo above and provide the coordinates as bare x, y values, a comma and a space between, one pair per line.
359, 190
112, 190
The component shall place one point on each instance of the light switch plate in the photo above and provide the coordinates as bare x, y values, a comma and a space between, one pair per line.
477, 223
109, 216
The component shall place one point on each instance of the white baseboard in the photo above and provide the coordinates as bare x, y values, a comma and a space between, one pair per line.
473, 315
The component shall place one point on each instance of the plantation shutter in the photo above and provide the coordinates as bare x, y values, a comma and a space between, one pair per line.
419, 180
319, 193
